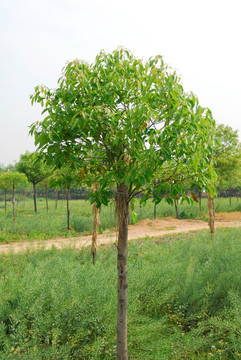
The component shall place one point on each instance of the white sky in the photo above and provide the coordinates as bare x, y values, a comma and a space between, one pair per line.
200, 38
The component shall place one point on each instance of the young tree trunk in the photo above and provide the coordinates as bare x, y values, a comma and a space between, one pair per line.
5, 200
211, 214
154, 211
122, 211
56, 199
176, 209
230, 198
46, 197
35, 198
13, 201
96, 222
68, 211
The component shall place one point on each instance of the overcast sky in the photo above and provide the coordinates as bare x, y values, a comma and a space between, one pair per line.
200, 38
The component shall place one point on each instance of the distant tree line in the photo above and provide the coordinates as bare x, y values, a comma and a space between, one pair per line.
74, 193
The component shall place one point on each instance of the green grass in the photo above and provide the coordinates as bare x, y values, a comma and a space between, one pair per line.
54, 224
184, 301
45, 225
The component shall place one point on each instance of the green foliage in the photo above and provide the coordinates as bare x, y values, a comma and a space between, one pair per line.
65, 178
227, 140
123, 120
227, 157
10, 179
184, 301
33, 167
53, 224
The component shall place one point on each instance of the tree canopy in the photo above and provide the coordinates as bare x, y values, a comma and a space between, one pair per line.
227, 156
33, 167
35, 170
125, 119
9, 180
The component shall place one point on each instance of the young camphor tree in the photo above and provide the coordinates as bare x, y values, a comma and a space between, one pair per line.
44, 184
129, 123
227, 157
11, 179
63, 179
35, 170
4, 186
67, 178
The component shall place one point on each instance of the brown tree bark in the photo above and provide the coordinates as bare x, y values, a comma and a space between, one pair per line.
35, 198
154, 211
96, 222
176, 209
211, 214
122, 211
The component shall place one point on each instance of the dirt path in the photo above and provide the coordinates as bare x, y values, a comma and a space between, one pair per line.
140, 230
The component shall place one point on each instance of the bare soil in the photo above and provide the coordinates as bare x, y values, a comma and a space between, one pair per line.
143, 228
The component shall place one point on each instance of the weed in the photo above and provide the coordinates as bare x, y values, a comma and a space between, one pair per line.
184, 301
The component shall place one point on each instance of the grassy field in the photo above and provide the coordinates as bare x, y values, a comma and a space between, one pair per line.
53, 224
184, 301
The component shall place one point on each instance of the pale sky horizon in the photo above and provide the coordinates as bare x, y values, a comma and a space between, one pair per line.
201, 39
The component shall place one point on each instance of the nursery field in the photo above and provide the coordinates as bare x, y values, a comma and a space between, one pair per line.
52, 224
184, 301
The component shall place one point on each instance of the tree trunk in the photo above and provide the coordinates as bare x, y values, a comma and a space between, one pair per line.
154, 211
68, 211
230, 198
13, 201
211, 214
122, 211
96, 222
5, 200
46, 197
56, 199
35, 198
176, 209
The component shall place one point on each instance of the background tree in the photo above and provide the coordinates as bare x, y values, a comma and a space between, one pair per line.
130, 122
63, 179
12, 179
4, 186
227, 157
24, 189
45, 185
35, 170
